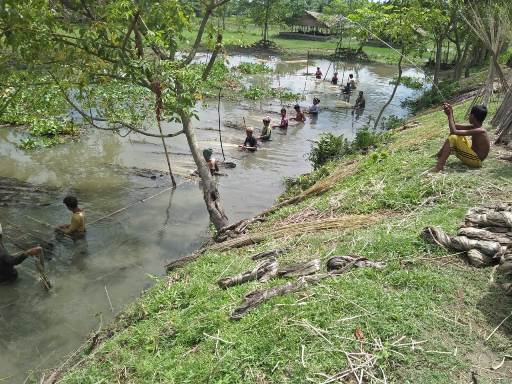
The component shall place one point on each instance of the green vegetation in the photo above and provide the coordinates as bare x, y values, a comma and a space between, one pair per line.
330, 147
255, 92
253, 68
409, 82
431, 97
179, 331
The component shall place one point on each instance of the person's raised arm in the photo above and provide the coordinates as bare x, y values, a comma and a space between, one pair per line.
466, 131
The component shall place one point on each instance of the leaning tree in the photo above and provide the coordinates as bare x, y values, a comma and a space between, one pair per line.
396, 21
124, 66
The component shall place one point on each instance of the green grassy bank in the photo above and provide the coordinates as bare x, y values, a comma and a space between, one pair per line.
238, 37
426, 317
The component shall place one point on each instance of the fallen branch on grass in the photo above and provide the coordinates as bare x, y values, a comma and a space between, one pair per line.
268, 254
255, 298
263, 272
301, 269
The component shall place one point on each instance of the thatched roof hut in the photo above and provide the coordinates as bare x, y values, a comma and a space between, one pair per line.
315, 24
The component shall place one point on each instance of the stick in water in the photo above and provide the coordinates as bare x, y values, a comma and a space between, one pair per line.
220, 134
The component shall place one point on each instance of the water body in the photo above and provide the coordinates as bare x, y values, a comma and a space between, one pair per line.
123, 253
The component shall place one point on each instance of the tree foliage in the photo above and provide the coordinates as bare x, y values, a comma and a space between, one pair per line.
122, 65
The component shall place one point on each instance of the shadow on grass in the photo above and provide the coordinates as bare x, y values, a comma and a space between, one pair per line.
496, 306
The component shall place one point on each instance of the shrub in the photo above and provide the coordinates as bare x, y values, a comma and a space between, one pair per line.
255, 93
392, 122
294, 185
253, 68
285, 95
431, 97
409, 82
367, 138
328, 147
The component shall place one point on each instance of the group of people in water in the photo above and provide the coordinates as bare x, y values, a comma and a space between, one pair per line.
75, 229
251, 142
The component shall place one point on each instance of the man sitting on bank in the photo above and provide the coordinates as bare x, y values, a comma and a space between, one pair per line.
471, 152
7, 262
77, 226
250, 143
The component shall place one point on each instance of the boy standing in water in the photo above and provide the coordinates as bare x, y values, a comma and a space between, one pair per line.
299, 114
471, 152
318, 73
334, 80
352, 81
266, 132
212, 163
315, 109
284, 121
360, 101
250, 143
77, 226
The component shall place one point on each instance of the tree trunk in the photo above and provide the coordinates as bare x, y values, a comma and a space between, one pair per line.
499, 71
462, 62
210, 192
399, 78
267, 15
437, 68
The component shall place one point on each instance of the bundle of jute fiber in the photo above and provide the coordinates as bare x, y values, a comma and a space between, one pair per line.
485, 237
488, 252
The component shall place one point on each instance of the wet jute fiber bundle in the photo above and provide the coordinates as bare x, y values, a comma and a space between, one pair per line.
485, 238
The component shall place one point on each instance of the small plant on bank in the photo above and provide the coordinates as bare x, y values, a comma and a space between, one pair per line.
329, 147
392, 122
253, 68
294, 185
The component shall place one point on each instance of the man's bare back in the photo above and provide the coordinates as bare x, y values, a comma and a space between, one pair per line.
480, 142
472, 154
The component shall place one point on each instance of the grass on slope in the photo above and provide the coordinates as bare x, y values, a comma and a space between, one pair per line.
180, 332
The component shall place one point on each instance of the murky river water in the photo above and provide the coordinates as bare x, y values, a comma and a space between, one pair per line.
122, 254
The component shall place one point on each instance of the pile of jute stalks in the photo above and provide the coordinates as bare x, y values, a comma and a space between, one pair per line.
485, 238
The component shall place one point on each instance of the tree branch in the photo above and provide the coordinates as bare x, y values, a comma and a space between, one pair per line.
209, 10
92, 120
211, 63
129, 32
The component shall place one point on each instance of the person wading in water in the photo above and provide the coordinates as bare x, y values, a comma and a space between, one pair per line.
7, 262
77, 226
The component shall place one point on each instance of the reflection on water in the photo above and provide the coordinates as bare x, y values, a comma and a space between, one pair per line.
108, 269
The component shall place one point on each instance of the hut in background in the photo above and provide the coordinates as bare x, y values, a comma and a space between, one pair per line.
313, 26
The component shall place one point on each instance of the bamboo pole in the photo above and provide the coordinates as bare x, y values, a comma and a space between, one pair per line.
158, 111
220, 132
307, 66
